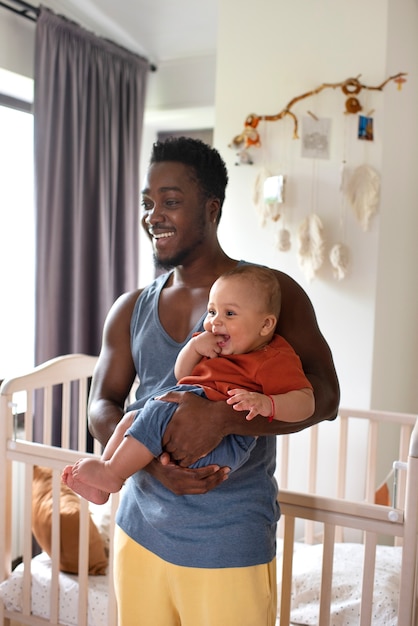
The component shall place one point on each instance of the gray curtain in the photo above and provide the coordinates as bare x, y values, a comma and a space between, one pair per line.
88, 112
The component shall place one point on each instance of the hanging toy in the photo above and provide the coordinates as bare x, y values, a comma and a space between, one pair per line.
352, 105
311, 245
362, 190
283, 240
247, 139
258, 195
268, 196
340, 257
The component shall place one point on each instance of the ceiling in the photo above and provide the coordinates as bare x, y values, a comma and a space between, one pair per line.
161, 30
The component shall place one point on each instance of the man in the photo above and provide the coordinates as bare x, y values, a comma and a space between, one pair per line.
194, 546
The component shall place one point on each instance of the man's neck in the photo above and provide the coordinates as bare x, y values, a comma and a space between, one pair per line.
204, 271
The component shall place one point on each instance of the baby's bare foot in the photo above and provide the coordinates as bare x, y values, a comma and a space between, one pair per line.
92, 494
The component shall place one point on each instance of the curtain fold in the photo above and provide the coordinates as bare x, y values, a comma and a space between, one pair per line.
88, 113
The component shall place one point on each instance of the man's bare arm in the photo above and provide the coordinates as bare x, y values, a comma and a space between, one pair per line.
114, 373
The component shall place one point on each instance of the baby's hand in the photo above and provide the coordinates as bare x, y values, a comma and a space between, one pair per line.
251, 401
206, 344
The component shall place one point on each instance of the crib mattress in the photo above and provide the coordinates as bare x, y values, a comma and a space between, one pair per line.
11, 593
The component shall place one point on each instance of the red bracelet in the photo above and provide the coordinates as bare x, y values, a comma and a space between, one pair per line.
273, 409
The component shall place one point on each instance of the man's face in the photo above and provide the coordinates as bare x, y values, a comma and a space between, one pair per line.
174, 212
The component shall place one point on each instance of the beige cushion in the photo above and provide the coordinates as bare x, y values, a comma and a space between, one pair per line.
69, 529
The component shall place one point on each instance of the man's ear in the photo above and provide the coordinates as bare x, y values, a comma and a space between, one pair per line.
213, 207
269, 325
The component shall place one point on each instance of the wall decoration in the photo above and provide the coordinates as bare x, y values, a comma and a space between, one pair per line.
339, 257
283, 239
262, 209
311, 251
365, 128
359, 188
250, 137
362, 190
315, 137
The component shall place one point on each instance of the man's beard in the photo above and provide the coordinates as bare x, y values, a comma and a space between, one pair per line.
180, 257
171, 262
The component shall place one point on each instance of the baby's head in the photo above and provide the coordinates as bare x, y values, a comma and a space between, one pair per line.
261, 285
244, 306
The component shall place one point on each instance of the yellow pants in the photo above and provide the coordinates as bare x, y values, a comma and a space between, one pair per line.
152, 592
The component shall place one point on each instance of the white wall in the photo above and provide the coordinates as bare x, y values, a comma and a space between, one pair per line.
272, 54
395, 364
283, 50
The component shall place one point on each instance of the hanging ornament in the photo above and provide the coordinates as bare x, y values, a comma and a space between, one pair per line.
340, 258
258, 195
352, 105
268, 196
284, 242
362, 190
311, 245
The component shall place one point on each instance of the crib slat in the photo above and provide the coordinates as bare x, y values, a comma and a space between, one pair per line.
371, 461
326, 578
29, 412
111, 602
403, 455
312, 476
47, 434
27, 541
369, 568
286, 590
55, 548
83, 563
342, 457
65, 414
284, 461
82, 405
342, 467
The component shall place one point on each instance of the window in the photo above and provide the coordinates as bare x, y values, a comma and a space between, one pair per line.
17, 228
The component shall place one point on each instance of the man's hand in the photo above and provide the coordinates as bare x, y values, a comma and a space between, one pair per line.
193, 431
183, 481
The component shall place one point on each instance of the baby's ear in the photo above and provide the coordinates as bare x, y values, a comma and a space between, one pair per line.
269, 324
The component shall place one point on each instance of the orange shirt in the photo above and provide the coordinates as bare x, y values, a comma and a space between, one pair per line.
274, 369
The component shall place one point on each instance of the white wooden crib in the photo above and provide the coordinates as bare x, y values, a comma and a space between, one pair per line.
327, 476
345, 560
37, 592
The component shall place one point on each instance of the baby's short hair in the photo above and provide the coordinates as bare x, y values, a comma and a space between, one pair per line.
264, 280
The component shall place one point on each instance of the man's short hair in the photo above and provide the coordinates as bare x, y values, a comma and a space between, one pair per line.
209, 167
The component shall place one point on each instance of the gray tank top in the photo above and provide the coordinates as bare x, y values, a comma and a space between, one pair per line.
154, 351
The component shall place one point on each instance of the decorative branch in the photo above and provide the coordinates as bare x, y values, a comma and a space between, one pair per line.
351, 87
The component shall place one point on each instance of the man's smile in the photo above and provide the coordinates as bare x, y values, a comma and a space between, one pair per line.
162, 235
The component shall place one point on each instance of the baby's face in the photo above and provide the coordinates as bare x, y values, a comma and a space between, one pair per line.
235, 315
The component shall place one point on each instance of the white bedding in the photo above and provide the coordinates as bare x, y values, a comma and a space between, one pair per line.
11, 593
346, 588
307, 560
